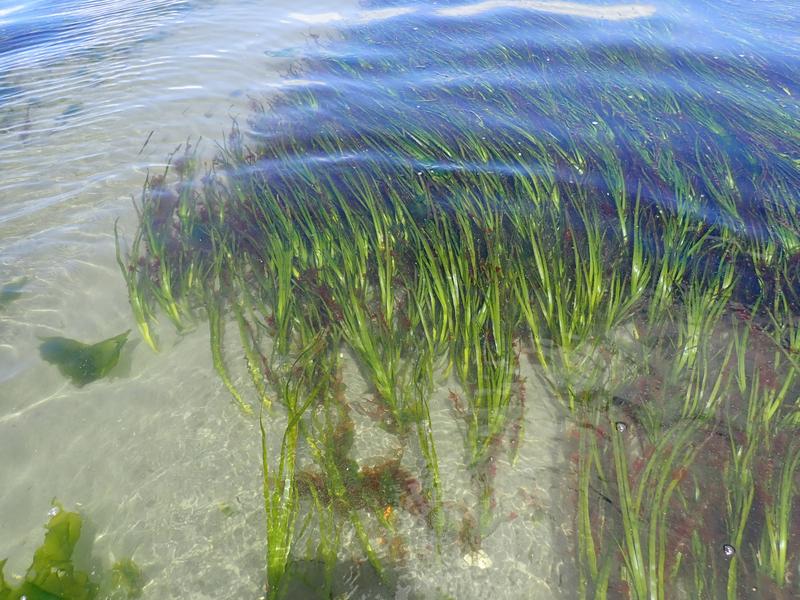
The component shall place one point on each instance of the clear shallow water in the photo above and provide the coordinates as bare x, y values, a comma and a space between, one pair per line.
154, 455
94, 95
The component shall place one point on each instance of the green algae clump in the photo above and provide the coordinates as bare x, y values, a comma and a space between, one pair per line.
127, 580
83, 363
52, 576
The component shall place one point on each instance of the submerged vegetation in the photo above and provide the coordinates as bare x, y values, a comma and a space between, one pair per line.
623, 214
52, 574
83, 363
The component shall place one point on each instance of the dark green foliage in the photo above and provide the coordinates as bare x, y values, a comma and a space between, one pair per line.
83, 363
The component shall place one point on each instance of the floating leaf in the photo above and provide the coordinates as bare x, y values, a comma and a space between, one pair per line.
83, 363
10, 292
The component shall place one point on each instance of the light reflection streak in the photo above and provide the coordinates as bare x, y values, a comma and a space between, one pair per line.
609, 12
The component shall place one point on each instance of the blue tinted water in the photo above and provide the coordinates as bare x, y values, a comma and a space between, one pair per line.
93, 94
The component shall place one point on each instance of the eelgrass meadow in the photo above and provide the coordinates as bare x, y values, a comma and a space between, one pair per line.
449, 201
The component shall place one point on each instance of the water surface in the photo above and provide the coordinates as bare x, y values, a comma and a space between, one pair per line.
437, 99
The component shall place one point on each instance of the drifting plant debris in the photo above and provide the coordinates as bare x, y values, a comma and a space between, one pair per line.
83, 363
